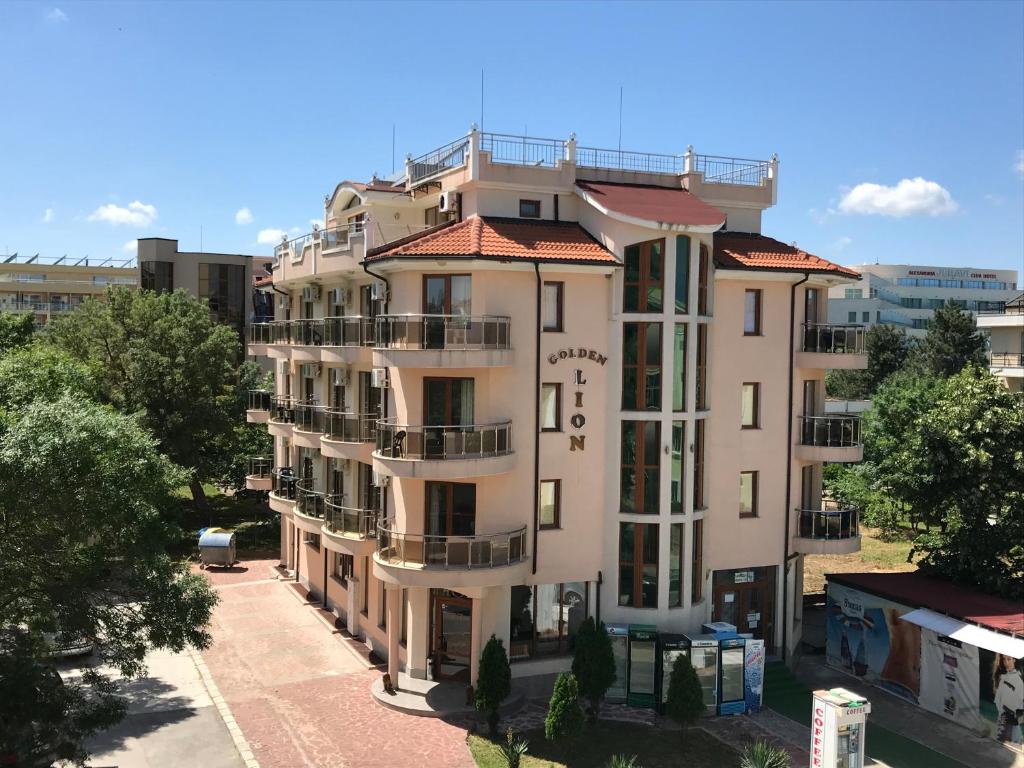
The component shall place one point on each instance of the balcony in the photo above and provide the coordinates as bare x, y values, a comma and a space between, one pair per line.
259, 406
309, 424
347, 340
353, 527
832, 346
258, 473
443, 341
1008, 363
260, 337
832, 530
309, 505
282, 416
348, 435
282, 490
443, 452
834, 438
480, 560
1008, 314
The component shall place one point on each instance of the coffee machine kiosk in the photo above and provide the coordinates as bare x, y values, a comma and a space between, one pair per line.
838, 725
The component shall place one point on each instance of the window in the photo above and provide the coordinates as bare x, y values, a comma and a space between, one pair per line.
851, 317
697, 563
682, 274
312, 539
344, 566
702, 366
529, 209
382, 603
366, 586
638, 565
752, 312
748, 494
550, 407
853, 293
678, 441
750, 415
550, 503
641, 366
702, 280
552, 306
403, 634
433, 216
644, 277
544, 619
641, 441
679, 368
223, 286
698, 464
675, 566
865, 317
157, 276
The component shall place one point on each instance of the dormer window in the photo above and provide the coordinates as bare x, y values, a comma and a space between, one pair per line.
529, 209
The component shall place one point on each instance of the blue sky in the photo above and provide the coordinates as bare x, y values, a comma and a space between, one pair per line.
128, 120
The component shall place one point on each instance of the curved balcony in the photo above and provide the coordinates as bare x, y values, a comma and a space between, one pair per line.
832, 346
309, 505
258, 473
486, 559
348, 435
835, 438
352, 527
282, 416
443, 452
259, 406
309, 424
443, 341
282, 490
347, 340
260, 336
832, 530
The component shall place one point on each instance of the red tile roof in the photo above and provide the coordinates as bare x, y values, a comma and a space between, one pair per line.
744, 250
492, 237
648, 203
916, 590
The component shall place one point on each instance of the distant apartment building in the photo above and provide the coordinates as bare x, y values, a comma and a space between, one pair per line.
1005, 326
907, 296
527, 382
49, 286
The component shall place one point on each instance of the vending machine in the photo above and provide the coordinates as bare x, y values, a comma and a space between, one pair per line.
671, 647
643, 654
619, 634
838, 724
731, 699
704, 657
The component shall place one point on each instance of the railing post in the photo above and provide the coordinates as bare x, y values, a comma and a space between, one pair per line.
570, 149
690, 160
474, 152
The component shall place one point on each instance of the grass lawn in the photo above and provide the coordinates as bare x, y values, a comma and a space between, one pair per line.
256, 526
653, 747
874, 555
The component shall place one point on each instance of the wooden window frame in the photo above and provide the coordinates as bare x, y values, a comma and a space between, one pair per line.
679, 455
672, 529
682, 260
754, 482
640, 465
558, 406
525, 203
637, 564
644, 281
701, 384
366, 587
758, 309
703, 266
679, 365
697, 562
447, 276
559, 326
756, 409
641, 367
699, 455
558, 506
348, 566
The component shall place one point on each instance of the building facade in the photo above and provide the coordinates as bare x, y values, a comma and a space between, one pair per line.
527, 382
1005, 327
907, 296
48, 286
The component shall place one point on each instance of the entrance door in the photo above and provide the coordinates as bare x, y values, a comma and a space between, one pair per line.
749, 606
443, 295
446, 403
451, 636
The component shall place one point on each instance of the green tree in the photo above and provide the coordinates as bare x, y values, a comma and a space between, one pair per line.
565, 715
15, 330
83, 552
494, 682
684, 702
161, 357
593, 663
42, 372
244, 440
887, 349
952, 342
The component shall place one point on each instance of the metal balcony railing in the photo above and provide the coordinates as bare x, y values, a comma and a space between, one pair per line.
350, 331
489, 550
307, 332
624, 160
261, 333
259, 466
308, 500
309, 417
506, 149
443, 332
831, 522
344, 427
834, 431
1014, 307
838, 339
732, 170
1007, 359
451, 155
260, 399
349, 521
282, 409
440, 443
282, 482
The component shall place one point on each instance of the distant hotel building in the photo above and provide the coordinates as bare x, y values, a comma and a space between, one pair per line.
48, 286
907, 296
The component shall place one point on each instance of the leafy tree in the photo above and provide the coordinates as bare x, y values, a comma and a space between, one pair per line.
887, 348
83, 552
161, 357
952, 342
684, 702
494, 682
565, 716
15, 330
593, 662
244, 440
42, 372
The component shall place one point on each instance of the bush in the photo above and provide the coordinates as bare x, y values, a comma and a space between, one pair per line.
513, 749
761, 754
593, 663
494, 682
621, 761
565, 716
685, 700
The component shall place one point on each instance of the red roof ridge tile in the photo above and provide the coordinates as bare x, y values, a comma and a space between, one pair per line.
752, 250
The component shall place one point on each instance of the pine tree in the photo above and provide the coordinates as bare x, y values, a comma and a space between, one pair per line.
593, 663
494, 682
565, 716
952, 343
685, 701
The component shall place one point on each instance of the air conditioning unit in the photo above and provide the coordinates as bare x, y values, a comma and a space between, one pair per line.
311, 293
284, 301
379, 378
380, 480
336, 296
448, 202
378, 291
339, 377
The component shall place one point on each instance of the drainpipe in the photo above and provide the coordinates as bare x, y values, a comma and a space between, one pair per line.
597, 612
536, 421
789, 463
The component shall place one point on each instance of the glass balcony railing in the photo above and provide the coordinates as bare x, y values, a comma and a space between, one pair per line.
345, 427
261, 333
334, 238
309, 417
463, 441
282, 410
350, 331
443, 332
835, 431
349, 521
260, 399
837, 339
832, 522
259, 466
283, 482
490, 550
308, 500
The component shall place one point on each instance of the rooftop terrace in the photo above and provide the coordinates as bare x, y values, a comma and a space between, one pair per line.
67, 261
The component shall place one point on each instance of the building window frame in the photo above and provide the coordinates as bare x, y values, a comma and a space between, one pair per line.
556, 504
703, 267
555, 424
675, 565
702, 367
699, 451
753, 476
632, 563
697, 562
529, 209
644, 392
646, 473
555, 324
752, 311
643, 286
754, 388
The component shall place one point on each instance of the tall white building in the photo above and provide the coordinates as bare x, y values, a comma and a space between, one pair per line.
908, 295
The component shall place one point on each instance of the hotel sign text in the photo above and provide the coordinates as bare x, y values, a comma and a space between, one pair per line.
577, 442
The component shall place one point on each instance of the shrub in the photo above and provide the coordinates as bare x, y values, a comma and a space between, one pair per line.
513, 749
565, 716
685, 700
494, 682
761, 754
621, 761
593, 663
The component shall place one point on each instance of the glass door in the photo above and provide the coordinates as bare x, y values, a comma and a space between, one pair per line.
446, 403
451, 638
443, 295
451, 511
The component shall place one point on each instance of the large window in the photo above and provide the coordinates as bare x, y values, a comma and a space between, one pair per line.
157, 276
641, 441
748, 494
550, 407
553, 298
679, 368
702, 366
344, 566
678, 441
638, 565
544, 619
675, 566
750, 405
703, 267
550, 503
641, 366
682, 274
752, 312
223, 286
644, 283
698, 464
697, 563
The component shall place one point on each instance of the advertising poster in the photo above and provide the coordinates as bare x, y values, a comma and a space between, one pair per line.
949, 678
865, 637
753, 674
1001, 696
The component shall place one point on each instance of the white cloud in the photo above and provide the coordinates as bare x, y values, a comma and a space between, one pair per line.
48, 215
56, 16
908, 198
132, 246
270, 236
842, 244
1019, 165
243, 216
137, 214
994, 200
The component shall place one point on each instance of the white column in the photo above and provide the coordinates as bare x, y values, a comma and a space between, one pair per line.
475, 644
394, 597
417, 636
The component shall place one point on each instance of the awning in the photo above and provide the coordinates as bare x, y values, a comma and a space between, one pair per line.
971, 634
